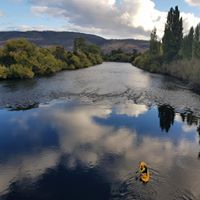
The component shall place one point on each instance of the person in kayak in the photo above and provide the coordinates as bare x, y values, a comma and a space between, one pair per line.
143, 168
144, 172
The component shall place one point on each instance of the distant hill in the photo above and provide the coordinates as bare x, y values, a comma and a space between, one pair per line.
126, 45
46, 38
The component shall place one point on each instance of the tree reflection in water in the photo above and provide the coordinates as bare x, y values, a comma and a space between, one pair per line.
190, 119
198, 130
166, 115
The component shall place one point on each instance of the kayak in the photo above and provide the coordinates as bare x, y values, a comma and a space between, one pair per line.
144, 176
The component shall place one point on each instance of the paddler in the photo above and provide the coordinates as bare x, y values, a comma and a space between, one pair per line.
144, 172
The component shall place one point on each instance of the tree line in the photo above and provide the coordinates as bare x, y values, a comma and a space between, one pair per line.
119, 55
176, 54
20, 59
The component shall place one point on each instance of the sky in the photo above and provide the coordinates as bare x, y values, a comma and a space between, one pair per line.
106, 18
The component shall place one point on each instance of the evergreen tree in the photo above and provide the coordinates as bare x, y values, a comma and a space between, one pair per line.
154, 44
187, 44
173, 35
196, 43
190, 42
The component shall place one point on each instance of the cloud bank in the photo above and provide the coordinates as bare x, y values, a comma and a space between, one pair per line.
111, 18
193, 2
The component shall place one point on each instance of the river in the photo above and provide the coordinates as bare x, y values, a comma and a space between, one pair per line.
81, 135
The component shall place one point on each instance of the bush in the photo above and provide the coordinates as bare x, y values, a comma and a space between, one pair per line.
59, 53
3, 72
84, 60
18, 71
18, 52
147, 62
118, 56
142, 60
98, 59
22, 59
74, 60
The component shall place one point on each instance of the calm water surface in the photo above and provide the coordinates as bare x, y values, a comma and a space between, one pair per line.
88, 145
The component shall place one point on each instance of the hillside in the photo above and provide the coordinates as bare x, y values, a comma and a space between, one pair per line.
46, 38
127, 45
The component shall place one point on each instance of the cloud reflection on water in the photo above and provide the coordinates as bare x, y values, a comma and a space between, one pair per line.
82, 140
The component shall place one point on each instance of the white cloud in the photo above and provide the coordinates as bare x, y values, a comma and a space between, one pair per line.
189, 19
110, 18
25, 27
193, 2
113, 19
131, 109
188, 129
44, 9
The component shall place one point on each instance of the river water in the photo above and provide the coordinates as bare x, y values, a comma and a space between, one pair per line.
81, 135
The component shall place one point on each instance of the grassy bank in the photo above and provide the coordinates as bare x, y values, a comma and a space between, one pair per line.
186, 70
182, 69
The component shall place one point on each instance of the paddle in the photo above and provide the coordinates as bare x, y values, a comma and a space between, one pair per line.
137, 175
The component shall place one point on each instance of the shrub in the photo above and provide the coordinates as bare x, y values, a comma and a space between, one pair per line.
18, 71
188, 70
84, 60
3, 72
22, 59
74, 60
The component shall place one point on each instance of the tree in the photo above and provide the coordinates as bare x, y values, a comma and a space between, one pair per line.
18, 71
79, 44
73, 61
94, 49
59, 53
3, 72
173, 35
154, 44
196, 42
187, 45
22, 59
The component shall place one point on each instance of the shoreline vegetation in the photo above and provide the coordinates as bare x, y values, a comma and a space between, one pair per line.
176, 55
21, 59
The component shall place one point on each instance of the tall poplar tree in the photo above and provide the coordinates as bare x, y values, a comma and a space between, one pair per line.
196, 43
173, 35
154, 44
187, 44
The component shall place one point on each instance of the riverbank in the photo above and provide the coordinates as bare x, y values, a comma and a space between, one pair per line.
187, 71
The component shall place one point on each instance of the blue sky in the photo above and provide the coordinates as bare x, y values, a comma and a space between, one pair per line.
164, 5
107, 18
17, 15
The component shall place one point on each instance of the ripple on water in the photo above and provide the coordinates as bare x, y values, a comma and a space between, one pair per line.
101, 83
156, 189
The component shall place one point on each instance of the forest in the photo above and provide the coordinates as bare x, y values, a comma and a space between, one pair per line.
21, 59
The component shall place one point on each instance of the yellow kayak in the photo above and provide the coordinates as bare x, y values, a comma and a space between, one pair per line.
144, 172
